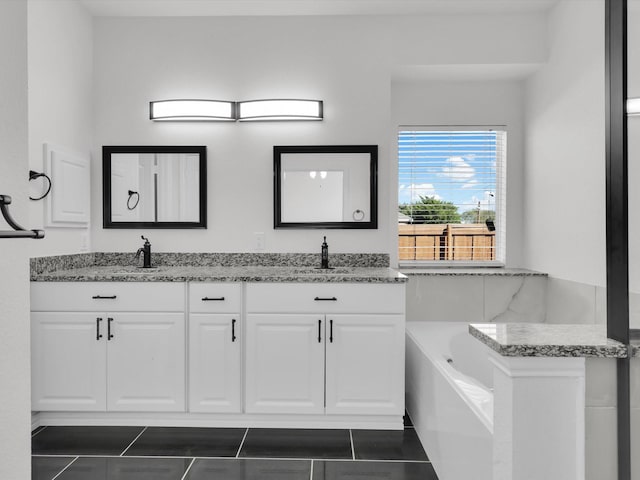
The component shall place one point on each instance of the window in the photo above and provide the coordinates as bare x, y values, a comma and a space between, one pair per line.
451, 195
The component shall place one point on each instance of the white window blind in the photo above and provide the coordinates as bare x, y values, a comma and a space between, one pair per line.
451, 194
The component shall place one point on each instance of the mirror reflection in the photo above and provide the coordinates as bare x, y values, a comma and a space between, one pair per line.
325, 187
161, 187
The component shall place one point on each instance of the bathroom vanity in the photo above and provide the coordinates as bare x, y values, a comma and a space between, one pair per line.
219, 346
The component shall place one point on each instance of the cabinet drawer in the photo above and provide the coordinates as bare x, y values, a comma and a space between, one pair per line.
325, 298
215, 297
108, 296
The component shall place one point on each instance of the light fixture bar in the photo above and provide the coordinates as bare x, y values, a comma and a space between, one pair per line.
192, 110
633, 106
279, 109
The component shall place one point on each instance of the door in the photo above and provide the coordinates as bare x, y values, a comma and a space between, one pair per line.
68, 361
146, 362
284, 363
365, 364
214, 363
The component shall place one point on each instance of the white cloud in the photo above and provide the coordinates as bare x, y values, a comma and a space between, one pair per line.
411, 193
458, 169
470, 184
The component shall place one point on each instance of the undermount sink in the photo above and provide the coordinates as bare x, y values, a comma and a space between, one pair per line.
322, 271
132, 270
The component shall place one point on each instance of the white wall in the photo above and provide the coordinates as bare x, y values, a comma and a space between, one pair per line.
346, 61
15, 397
60, 46
564, 191
341, 61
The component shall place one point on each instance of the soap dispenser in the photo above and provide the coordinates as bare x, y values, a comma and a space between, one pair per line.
324, 258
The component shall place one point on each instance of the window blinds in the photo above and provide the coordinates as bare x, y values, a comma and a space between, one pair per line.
451, 194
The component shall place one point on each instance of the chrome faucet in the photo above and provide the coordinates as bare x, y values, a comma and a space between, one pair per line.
146, 251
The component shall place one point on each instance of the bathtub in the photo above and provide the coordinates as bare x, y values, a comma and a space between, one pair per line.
450, 398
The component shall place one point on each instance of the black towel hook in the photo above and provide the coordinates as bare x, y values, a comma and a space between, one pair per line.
33, 175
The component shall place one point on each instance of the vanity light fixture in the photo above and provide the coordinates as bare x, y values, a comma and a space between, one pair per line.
279, 109
192, 110
633, 106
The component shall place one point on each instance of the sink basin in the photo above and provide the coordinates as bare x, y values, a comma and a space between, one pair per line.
137, 270
322, 271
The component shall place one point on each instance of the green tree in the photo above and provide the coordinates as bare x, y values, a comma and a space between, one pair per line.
477, 216
431, 210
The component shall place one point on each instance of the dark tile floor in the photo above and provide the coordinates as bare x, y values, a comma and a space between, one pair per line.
159, 453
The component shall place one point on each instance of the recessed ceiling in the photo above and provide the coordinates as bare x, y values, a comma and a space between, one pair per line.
200, 8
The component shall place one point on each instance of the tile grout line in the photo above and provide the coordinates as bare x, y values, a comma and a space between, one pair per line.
353, 450
360, 460
133, 441
65, 468
242, 443
186, 472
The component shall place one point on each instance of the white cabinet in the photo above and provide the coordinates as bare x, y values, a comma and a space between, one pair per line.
107, 359
365, 364
145, 362
215, 338
320, 360
285, 363
68, 362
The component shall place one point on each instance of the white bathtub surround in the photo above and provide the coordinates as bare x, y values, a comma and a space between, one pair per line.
533, 378
575, 302
490, 294
530, 361
539, 427
449, 398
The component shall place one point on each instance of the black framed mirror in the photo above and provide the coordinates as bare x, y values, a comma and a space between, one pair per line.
327, 186
154, 186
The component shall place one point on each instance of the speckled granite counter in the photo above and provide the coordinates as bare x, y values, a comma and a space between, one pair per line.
486, 271
222, 274
545, 340
216, 267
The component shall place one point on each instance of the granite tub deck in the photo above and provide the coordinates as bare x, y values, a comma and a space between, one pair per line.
215, 267
545, 340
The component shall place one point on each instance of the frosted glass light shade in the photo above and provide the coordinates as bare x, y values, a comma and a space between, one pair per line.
633, 106
282, 109
192, 110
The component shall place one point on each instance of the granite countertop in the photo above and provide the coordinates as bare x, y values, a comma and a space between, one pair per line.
165, 273
546, 340
471, 271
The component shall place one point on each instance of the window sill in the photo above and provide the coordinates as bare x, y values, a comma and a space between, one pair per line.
481, 271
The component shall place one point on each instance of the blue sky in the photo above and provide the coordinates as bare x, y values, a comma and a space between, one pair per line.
454, 166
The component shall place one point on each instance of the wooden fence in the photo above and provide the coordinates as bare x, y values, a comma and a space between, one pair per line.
471, 241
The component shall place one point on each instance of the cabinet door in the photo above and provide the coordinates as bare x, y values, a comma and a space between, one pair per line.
68, 361
284, 363
146, 362
365, 364
214, 363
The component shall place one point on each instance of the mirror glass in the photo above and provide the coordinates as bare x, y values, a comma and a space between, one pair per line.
325, 186
154, 187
